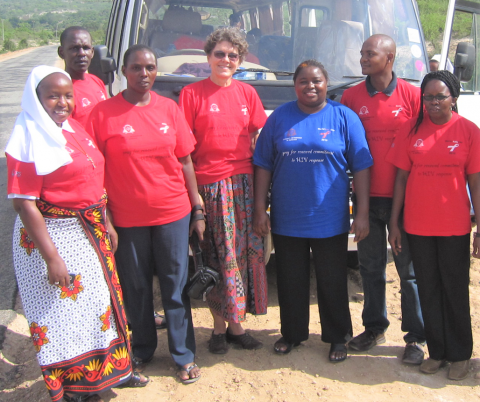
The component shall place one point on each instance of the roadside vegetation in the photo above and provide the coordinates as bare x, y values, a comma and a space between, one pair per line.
26, 23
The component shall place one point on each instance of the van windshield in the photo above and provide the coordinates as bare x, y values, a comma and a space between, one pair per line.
281, 34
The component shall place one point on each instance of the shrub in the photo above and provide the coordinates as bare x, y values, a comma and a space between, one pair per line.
9, 45
23, 44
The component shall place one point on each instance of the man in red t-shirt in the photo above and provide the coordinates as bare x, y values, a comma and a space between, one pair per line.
77, 51
384, 102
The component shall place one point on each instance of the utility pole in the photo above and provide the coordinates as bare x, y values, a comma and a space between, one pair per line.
3, 32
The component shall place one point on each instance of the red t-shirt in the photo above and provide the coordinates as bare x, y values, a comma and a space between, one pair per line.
141, 144
87, 94
382, 116
76, 185
439, 158
222, 119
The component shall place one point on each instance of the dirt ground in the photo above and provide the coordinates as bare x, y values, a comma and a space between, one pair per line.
304, 374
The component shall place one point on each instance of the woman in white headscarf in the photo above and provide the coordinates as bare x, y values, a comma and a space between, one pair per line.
63, 246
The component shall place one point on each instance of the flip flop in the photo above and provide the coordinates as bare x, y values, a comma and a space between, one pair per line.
163, 325
188, 369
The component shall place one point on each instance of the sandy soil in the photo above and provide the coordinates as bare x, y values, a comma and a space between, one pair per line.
304, 374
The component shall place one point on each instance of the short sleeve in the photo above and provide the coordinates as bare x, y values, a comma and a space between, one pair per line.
397, 155
23, 178
92, 128
264, 155
473, 161
358, 153
187, 106
185, 139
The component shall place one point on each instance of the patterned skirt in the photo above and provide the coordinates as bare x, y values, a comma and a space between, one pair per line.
78, 331
232, 248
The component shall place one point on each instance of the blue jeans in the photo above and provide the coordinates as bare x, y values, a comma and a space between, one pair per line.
372, 256
162, 249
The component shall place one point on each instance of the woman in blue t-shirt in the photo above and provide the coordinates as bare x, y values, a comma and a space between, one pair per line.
304, 152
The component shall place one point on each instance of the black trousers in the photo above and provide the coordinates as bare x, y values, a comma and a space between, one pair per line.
292, 257
442, 265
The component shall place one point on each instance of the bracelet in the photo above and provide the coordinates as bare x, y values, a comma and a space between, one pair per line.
477, 234
197, 217
196, 208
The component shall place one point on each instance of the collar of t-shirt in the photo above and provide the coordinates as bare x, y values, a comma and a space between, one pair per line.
387, 91
66, 126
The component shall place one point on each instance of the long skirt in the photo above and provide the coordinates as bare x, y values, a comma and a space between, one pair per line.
232, 248
78, 331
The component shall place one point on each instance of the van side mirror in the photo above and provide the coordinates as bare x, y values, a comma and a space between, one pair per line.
464, 61
103, 66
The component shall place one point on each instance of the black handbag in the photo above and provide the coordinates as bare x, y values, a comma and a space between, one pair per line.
205, 278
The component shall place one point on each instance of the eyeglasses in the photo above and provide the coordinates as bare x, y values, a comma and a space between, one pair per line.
221, 55
430, 98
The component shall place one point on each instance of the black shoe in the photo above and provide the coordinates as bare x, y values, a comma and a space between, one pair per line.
282, 346
218, 344
413, 353
366, 340
245, 340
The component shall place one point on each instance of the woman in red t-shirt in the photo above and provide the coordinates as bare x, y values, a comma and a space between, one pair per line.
436, 156
63, 253
225, 116
154, 205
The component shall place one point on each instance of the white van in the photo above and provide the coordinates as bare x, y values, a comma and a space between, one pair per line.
280, 33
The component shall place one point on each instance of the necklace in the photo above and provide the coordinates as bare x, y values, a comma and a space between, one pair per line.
83, 151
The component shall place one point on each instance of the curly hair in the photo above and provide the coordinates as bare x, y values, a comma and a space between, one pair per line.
228, 34
310, 63
452, 83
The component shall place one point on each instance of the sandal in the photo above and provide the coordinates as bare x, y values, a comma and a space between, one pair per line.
163, 324
282, 346
188, 370
139, 365
135, 381
337, 347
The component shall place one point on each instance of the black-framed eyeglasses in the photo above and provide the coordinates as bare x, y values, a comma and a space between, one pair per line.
221, 55
431, 98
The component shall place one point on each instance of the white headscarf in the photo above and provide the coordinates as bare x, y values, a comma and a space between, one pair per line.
36, 137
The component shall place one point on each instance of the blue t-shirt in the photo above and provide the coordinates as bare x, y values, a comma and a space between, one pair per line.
309, 155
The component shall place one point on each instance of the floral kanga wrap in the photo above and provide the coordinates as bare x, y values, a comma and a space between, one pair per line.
79, 332
233, 249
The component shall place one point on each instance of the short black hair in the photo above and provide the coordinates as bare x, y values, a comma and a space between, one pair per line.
135, 48
67, 31
235, 18
310, 63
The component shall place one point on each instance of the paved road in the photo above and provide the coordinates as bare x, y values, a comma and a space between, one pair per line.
13, 74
